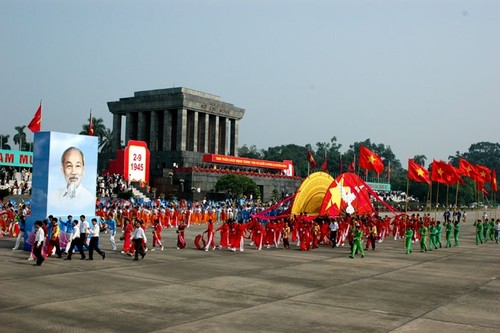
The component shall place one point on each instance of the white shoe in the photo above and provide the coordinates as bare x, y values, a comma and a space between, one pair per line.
14, 249
241, 250
162, 248
206, 249
151, 250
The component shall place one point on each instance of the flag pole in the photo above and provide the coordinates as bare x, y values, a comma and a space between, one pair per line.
407, 194
437, 201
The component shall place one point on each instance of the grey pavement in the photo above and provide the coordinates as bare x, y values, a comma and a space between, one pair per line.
273, 290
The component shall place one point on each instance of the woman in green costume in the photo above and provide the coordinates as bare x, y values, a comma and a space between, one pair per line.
456, 232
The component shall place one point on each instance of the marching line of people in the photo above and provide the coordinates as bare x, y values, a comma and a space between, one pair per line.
55, 236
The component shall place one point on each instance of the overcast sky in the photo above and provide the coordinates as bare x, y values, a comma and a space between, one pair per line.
422, 76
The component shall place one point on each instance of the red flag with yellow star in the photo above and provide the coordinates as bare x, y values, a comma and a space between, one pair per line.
35, 124
369, 160
347, 194
467, 169
441, 172
311, 160
418, 173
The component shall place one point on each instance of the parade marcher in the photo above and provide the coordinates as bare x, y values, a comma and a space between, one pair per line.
54, 239
432, 237
20, 235
68, 227
84, 230
479, 232
157, 228
357, 235
111, 225
139, 238
38, 244
456, 233
181, 241
408, 239
224, 235
372, 236
210, 236
75, 241
449, 231
286, 235
94, 240
424, 232
128, 229
439, 232
334, 227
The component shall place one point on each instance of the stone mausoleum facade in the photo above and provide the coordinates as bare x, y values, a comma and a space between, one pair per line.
180, 126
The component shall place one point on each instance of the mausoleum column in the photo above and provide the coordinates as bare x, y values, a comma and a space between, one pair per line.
129, 131
167, 130
204, 118
195, 131
141, 129
181, 129
233, 146
153, 136
117, 130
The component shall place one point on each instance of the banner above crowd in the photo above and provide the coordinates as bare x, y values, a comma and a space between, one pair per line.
16, 158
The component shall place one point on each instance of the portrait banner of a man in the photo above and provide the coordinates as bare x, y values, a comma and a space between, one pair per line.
66, 166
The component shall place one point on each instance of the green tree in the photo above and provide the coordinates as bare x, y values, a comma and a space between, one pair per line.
105, 144
237, 185
420, 159
100, 131
330, 151
295, 153
4, 139
20, 137
249, 152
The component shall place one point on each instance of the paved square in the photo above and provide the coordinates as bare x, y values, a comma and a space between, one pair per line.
273, 290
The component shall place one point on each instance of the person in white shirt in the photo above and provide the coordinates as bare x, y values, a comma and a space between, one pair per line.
139, 239
94, 240
38, 245
84, 230
334, 227
75, 241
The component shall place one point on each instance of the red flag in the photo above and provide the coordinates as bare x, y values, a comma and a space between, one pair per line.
483, 173
310, 159
91, 125
443, 173
417, 173
454, 176
369, 160
494, 185
352, 166
35, 124
467, 169
324, 166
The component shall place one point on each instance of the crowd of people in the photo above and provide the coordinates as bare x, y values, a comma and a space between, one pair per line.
230, 225
17, 182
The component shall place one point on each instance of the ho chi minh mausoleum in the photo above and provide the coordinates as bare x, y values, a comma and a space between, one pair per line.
193, 139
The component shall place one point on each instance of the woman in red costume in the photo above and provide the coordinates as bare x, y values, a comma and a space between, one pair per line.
157, 228
210, 236
127, 232
224, 235
181, 241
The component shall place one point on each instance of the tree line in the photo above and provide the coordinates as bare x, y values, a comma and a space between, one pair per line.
395, 173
